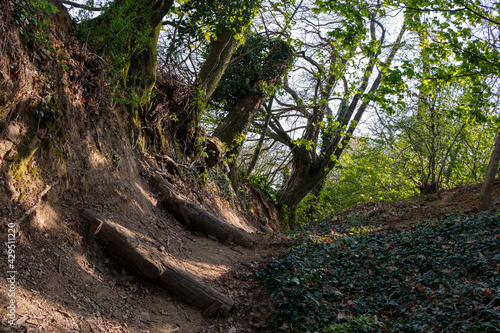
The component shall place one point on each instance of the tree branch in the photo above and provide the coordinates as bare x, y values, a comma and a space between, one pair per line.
81, 6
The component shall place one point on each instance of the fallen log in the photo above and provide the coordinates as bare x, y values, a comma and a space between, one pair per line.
141, 253
193, 291
124, 243
198, 219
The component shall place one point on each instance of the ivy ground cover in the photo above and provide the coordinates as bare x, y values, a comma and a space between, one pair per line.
435, 276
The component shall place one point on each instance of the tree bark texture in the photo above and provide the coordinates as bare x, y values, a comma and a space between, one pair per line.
491, 173
140, 52
233, 128
142, 254
198, 219
260, 144
141, 70
306, 175
219, 56
235, 125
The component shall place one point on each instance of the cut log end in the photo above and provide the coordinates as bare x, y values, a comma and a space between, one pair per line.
94, 228
198, 219
212, 309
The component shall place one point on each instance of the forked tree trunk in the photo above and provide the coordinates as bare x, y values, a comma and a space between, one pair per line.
308, 172
305, 177
219, 56
142, 255
491, 173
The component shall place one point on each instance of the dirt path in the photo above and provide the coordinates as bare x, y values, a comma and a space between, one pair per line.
67, 285
64, 284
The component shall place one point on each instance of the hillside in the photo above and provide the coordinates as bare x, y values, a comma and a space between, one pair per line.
68, 144
438, 275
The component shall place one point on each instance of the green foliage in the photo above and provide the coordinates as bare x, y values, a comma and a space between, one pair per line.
439, 275
120, 31
391, 169
361, 323
355, 15
262, 184
248, 72
439, 126
456, 45
196, 20
207, 19
31, 18
117, 160
367, 172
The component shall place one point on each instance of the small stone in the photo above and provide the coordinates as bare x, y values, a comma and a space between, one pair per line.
263, 220
161, 248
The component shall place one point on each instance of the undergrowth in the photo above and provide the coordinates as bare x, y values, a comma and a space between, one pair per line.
435, 276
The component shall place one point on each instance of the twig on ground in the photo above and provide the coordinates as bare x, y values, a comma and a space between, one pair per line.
32, 209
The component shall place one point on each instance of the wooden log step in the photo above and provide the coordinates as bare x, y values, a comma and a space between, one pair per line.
124, 243
142, 254
198, 219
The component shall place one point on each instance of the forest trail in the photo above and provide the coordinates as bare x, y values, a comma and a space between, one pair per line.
66, 284
72, 151
64, 147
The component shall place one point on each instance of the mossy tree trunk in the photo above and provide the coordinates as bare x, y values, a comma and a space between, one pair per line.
140, 72
127, 33
234, 127
219, 56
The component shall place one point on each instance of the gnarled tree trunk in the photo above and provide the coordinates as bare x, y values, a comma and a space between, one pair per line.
135, 40
235, 125
306, 175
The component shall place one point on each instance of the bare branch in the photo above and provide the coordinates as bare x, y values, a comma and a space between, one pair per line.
81, 6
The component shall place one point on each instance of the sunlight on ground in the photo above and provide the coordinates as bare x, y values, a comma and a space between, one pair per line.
46, 218
205, 270
322, 236
97, 160
147, 195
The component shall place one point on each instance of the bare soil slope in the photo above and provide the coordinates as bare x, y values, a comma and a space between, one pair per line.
63, 147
